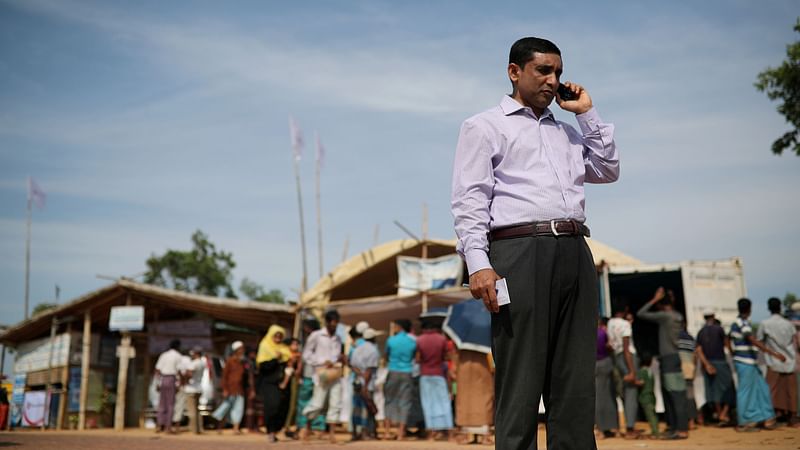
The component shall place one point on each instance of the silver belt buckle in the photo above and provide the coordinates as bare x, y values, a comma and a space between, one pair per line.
553, 227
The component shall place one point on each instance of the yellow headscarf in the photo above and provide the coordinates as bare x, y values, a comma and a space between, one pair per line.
269, 350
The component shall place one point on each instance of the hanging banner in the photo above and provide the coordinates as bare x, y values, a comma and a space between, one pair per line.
417, 275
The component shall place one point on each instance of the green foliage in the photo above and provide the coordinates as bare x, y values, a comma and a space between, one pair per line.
783, 82
789, 299
42, 307
255, 291
201, 270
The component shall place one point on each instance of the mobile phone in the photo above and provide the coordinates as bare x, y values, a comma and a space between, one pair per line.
565, 93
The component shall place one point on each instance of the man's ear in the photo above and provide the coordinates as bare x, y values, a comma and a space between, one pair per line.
514, 72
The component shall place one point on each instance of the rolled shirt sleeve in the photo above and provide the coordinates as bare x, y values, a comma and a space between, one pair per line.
599, 149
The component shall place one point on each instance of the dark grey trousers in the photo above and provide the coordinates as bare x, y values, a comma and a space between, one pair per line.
544, 342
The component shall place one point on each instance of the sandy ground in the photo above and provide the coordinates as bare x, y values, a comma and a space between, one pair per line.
704, 438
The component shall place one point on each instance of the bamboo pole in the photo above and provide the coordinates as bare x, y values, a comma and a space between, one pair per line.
346, 247
85, 355
28, 254
319, 205
424, 253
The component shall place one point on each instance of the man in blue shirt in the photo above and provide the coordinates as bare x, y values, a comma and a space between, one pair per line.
399, 388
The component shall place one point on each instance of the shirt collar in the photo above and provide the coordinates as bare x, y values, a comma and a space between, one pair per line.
510, 106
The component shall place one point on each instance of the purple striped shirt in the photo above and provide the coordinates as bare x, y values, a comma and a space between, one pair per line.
513, 168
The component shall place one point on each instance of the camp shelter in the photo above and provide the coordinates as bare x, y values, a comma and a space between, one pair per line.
71, 351
365, 286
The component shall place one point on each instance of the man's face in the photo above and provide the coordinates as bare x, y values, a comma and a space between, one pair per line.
537, 82
331, 326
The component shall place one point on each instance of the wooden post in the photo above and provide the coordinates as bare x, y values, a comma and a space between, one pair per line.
85, 356
125, 352
62, 404
53, 329
148, 366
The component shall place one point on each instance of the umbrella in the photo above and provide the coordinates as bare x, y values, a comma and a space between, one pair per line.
469, 324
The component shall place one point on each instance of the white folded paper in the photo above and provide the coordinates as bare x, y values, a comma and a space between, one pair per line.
501, 287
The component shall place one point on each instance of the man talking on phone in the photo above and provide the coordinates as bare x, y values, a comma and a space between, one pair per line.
518, 203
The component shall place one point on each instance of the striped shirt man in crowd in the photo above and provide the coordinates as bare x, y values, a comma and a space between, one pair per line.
753, 402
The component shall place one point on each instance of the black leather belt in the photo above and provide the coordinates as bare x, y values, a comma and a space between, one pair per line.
558, 227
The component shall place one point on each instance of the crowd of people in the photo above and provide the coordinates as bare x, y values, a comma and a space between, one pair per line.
411, 386
756, 401
333, 382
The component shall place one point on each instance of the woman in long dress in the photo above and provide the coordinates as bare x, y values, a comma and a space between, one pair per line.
272, 359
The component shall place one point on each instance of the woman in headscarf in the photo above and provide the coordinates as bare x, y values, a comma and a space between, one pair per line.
272, 358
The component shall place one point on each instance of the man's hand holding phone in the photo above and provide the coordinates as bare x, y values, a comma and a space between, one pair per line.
580, 101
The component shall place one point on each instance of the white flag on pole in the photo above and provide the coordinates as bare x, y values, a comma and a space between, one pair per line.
36, 194
297, 138
320, 150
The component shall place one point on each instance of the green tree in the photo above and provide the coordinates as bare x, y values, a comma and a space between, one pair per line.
789, 299
783, 83
42, 307
255, 291
201, 270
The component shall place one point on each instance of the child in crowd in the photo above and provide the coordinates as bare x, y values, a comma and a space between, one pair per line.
647, 396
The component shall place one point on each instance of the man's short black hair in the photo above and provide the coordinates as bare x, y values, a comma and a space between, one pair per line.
522, 51
331, 315
429, 323
175, 344
405, 324
774, 305
744, 305
619, 305
312, 323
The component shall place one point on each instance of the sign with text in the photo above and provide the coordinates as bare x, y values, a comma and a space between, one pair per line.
126, 318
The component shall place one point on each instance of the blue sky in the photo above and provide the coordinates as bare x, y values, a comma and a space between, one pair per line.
144, 122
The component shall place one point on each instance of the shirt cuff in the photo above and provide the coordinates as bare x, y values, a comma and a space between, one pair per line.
476, 260
589, 121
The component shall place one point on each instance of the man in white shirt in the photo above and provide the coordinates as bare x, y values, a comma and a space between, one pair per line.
323, 350
620, 336
192, 375
167, 370
778, 334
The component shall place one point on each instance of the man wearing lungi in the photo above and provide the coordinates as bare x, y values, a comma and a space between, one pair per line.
753, 402
432, 356
399, 387
518, 204
167, 369
778, 335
